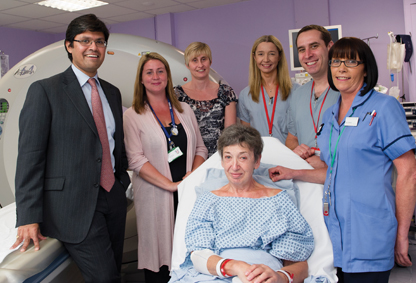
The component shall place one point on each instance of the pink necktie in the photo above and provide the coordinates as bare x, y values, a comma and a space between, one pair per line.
107, 176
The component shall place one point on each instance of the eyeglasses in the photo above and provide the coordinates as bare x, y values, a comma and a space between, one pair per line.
88, 42
347, 63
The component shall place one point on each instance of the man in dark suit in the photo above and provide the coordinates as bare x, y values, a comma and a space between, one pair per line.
71, 168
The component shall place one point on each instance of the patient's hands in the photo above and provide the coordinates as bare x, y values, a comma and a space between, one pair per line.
256, 273
239, 268
27, 233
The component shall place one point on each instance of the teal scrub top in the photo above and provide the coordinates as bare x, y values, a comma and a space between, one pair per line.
255, 113
300, 122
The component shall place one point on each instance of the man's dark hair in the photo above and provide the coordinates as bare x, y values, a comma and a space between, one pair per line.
84, 23
325, 34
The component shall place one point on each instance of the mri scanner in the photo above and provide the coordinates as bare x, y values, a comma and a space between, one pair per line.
52, 263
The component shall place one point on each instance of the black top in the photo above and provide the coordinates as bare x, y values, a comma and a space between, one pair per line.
178, 166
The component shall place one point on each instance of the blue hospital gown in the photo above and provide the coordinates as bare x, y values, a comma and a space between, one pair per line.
272, 224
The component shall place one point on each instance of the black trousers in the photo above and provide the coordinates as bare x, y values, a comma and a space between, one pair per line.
364, 277
99, 255
157, 277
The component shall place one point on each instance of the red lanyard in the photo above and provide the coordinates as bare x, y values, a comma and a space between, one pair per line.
319, 115
270, 122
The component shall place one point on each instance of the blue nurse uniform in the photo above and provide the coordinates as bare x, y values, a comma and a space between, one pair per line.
361, 221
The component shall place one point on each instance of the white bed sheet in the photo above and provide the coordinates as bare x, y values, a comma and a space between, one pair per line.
8, 231
274, 152
15, 266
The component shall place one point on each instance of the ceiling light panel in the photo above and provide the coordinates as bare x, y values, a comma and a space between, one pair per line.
72, 5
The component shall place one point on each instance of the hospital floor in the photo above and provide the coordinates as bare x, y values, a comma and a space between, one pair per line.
398, 275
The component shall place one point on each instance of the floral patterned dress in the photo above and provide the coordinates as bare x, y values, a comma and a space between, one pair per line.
210, 114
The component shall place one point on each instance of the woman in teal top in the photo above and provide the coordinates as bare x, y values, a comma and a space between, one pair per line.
264, 103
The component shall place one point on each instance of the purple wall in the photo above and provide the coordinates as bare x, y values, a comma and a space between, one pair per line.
18, 44
304, 16
145, 27
230, 30
366, 22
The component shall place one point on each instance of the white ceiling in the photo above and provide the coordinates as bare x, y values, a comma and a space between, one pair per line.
24, 14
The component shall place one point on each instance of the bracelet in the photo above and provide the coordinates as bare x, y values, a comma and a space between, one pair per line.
218, 268
222, 268
288, 275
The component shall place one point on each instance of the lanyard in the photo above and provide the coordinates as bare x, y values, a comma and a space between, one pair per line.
332, 160
270, 122
171, 144
319, 115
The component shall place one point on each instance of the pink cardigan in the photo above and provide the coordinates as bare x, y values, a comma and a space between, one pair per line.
146, 142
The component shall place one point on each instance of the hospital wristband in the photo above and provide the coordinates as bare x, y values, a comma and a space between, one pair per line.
223, 273
218, 268
288, 275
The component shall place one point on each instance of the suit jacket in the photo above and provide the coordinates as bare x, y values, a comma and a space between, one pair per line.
59, 160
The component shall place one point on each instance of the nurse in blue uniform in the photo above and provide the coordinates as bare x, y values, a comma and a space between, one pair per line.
362, 136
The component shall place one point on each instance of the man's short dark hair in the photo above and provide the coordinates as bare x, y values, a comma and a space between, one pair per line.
325, 34
84, 23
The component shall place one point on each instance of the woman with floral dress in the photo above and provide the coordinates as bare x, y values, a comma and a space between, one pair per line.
214, 105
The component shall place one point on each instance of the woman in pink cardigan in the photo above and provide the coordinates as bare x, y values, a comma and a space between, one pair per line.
163, 145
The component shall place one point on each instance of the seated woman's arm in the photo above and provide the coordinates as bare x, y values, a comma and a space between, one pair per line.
298, 269
258, 272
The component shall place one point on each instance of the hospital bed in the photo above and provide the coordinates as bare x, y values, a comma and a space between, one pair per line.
274, 152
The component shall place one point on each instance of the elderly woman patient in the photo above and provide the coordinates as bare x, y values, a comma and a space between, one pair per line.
245, 229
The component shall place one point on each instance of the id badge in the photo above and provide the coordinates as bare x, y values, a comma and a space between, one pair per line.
174, 153
351, 121
326, 209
